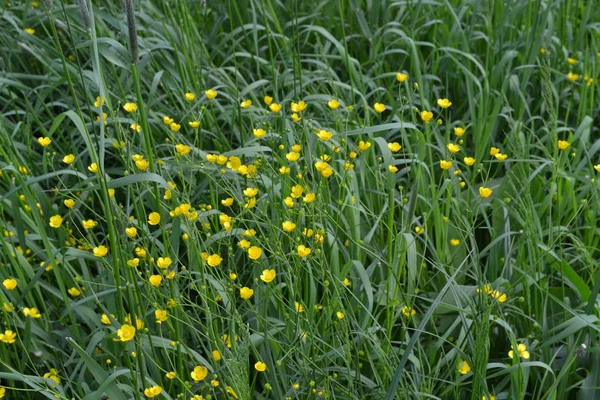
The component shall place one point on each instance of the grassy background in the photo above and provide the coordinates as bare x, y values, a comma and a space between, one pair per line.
386, 245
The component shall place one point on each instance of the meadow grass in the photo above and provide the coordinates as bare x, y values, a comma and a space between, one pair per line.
299, 200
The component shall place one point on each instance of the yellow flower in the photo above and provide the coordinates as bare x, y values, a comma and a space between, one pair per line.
492, 397
408, 311
288, 226
230, 390
246, 293
597, 167
68, 159
453, 148
130, 107
426, 116
134, 262
131, 231
274, 107
297, 191
99, 102
469, 161
211, 94
394, 147
136, 127
299, 307
44, 141
571, 60
254, 252
259, 132
227, 202
74, 292
392, 169
379, 108
494, 151
142, 164
324, 135
53, 375
444, 103
190, 96
340, 315
563, 144
499, 296
31, 312
161, 316
199, 373
289, 202
572, 77
93, 167
126, 332
333, 104
303, 251
182, 149
216, 355
105, 320
175, 127
445, 165
521, 350
100, 251
250, 192
501, 156
31, 31
458, 131
69, 203
485, 192
298, 107
194, 124
154, 218
152, 391
363, 146
155, 280
464, 367
171, 375
268, 100
9, 284
246, 103
454, 242
89, 224
309, 198
56, 221
268, 275
400, 77
292, 156
8, 337
295, 117
164, 262
214, 260
260, 366
284, 170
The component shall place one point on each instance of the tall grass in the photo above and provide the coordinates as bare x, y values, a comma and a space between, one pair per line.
212, 248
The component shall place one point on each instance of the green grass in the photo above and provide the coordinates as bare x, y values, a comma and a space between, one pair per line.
481, 274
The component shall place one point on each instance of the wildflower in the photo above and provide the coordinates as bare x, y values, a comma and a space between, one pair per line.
211, 94
563, 144
56, 221
295, 117
53, 375
394, 147
469, 161
194, 124
299, 307
268, 100
171, 375
333, 104
298, 107
499, 296
284, 170
9, 284
521, 351
309, 198
288, 226
74, 292
259, 132
464, 367
246, 293
426, 116
445, 165
444, 103
152, 391
494, 151
199, 373
130, 107
32, 312
190, 96
164, 262
419, 230
31, 31
303, 251
154, 218
175, 127
501, 156
292, 156
134, 262
155, 280
167, 120
214, 260
93, 168
274, 107
68, 159
458, 131
227, 202
230, 390
44, 141
8, 336
454, 242
268, 275
161, 316
393, 169
408, 311
89, 224
105, 320
379, 108
288, 201
216, 355
453, 148
100, 251
597, 167
126, 332
297, 191
485, 192
363, 146
339, 315
400, 77
572, 77
571, 60
260, 366
131, 231
492, 397
254, 252
246, 103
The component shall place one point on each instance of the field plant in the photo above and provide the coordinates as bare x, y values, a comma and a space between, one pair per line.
262, 199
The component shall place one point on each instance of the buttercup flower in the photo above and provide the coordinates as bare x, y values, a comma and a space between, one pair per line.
268, 275
324, 135
453, 148
56, 221
9, 284
426, 116
246, 103
246, 293
126, 332
260, 366
521, 351
199, 373
259, 132
32, 312
214, 260
298, 107
93, 167
254, 252
211, 94
333, 104
152, 391
155, 280
458, 131
274, 107
190, 96
444, 103
563, 144
68, 159
8, 337
379, 108
408, 311
44, 141
469, 161
464, 367
154, 218
303, 251
394, 147
130, 107
400, 77
445, 165
485, 192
